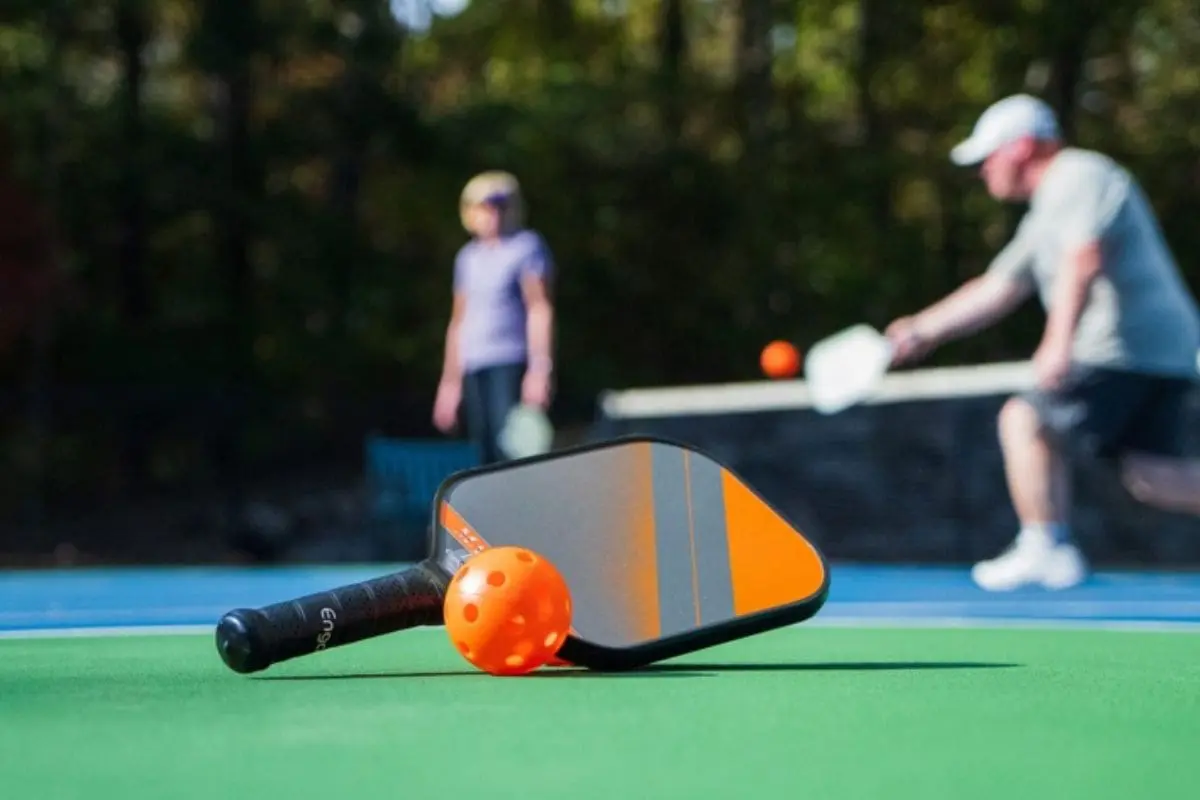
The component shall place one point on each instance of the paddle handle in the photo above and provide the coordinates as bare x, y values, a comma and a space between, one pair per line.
252, 639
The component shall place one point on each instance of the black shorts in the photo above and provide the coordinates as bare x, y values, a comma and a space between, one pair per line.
1105, 413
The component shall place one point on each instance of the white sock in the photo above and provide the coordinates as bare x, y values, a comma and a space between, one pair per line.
1048, 533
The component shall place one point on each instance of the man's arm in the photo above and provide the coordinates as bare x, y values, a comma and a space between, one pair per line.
1052, 361
1083, 266
977, 304
1081, 206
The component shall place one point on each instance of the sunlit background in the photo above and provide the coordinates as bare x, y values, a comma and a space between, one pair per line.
229, 231
418, 14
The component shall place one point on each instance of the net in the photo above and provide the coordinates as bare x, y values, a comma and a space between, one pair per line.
899, 387
915, 474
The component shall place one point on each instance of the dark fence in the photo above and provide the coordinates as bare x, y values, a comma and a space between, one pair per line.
204, 474
913, 481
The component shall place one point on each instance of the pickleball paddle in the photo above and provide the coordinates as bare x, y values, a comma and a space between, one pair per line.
844, 369
526, 432
665, 550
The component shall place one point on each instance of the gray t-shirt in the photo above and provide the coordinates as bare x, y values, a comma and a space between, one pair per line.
1139, 314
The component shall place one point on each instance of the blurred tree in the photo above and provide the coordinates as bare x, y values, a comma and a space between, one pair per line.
257, 200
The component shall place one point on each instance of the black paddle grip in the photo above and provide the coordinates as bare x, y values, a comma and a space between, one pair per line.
252, 639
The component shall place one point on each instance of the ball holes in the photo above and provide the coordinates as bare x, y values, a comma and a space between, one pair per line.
516, 662
551, 639
465, 649
526, 557
495, 578
519, 620
470, 612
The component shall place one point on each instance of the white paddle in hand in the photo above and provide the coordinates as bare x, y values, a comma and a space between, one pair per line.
527, 432
844, 369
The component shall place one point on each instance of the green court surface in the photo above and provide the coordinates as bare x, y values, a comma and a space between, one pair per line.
814, 713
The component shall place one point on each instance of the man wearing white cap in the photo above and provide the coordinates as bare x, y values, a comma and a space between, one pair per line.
1119, 352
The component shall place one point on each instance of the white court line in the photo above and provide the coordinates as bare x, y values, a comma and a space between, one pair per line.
107, 632
1002, 623
1050, 608
65, 614
859, 623
1020, 607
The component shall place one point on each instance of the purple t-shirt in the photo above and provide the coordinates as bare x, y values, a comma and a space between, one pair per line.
492, 331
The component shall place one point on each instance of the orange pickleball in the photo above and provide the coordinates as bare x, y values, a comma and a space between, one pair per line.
780, 359
507, 610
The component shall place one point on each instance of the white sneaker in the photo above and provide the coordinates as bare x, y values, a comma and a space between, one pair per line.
1032, 560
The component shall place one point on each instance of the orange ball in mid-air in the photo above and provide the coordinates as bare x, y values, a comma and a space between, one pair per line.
780, 360
507, 610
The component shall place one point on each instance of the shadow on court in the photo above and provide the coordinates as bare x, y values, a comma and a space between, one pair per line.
707, 668
474, 673
689, 670
831, 666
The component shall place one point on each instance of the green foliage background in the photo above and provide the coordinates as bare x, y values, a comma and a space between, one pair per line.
253, 203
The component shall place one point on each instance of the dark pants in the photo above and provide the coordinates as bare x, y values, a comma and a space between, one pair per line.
488, 395
1107, 413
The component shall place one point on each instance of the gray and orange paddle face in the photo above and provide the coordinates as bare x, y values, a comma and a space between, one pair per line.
665, 550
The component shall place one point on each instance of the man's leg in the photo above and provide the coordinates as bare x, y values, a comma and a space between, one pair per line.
1166, 482
1039, 484
1154, 469
1037, 474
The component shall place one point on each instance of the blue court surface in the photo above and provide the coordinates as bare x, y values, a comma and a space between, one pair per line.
184, 600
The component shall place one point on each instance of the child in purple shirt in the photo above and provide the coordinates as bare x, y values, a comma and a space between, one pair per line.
499, 340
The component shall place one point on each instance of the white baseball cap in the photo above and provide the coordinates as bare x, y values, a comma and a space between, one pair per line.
1007, 121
